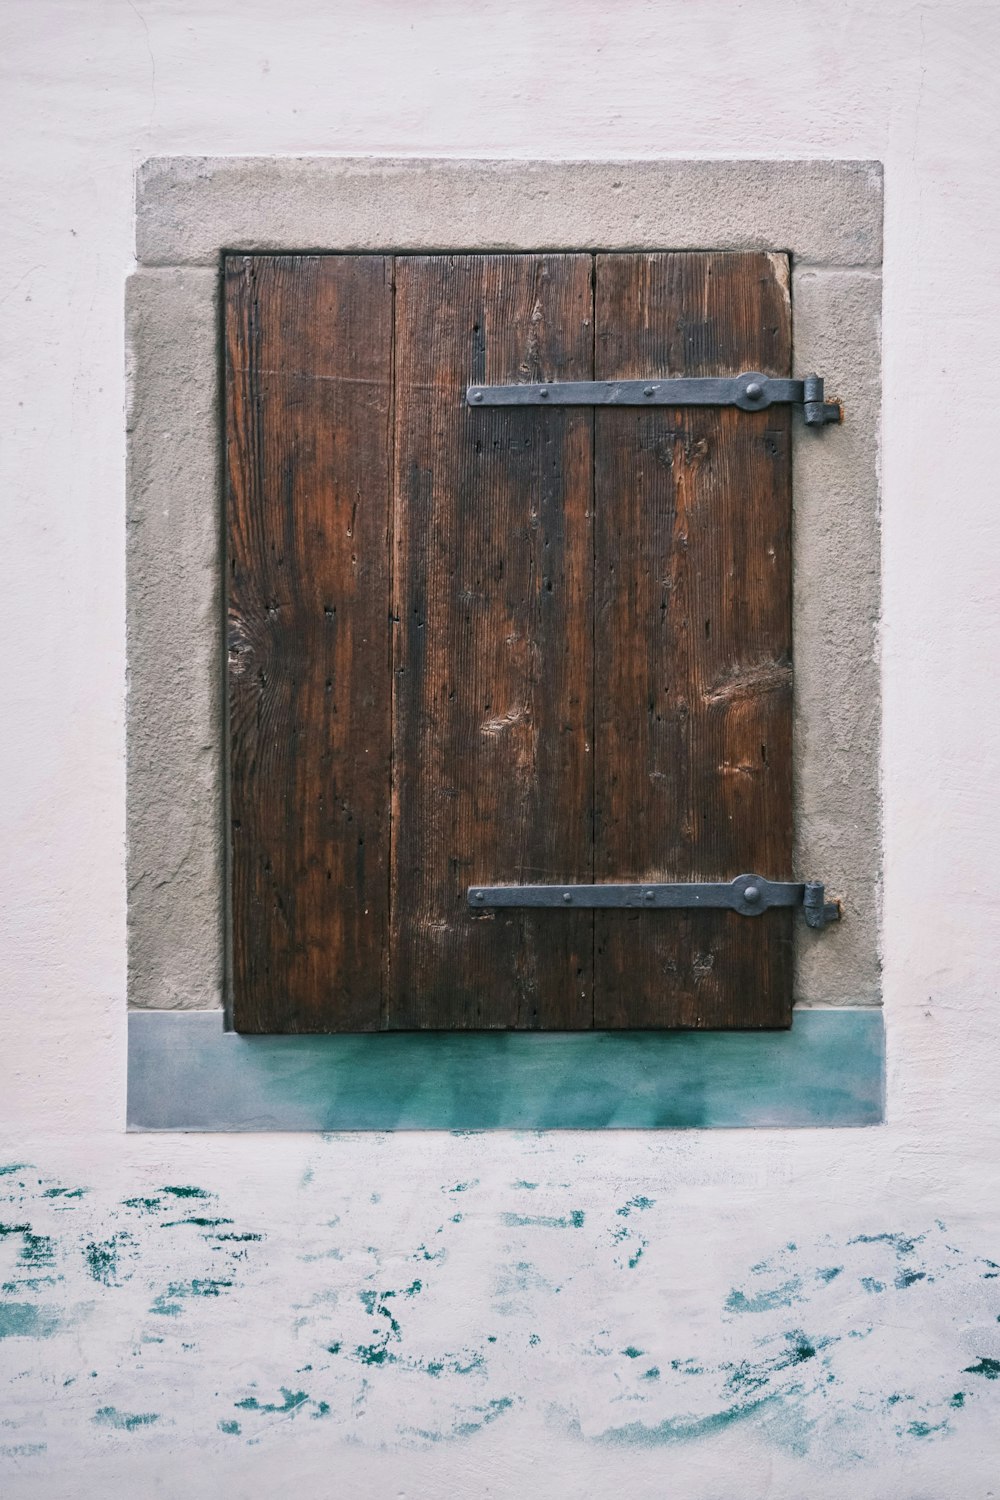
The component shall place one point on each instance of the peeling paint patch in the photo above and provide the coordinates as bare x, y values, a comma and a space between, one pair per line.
633, 1204
290, 1401
374, 1354
124, 1421
574, 1220
198, 1222
680, 1429
483, 1416
489, 1414
168, 1303
907, 1278
765, 1301
102, 1260
26, 1320
422, 1253
37, 1250
926, 1429
903, 1244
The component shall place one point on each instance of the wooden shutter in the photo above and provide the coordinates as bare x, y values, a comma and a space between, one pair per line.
503, 646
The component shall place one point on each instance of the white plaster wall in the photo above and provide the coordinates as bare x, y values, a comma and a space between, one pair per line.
153, 1327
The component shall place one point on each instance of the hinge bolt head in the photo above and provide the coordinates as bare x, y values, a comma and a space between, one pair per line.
648, 390
751, 894
754, 391
649, 895
477, 395
544, 391
478, 896
567, 896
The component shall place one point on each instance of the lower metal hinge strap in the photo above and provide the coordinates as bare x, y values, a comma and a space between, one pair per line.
750, 391
749, 895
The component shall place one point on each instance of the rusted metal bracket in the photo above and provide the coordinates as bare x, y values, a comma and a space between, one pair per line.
750, 392
749, 895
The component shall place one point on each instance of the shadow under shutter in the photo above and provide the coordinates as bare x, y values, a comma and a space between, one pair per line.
511, 645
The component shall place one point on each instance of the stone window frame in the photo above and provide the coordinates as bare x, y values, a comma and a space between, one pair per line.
827, 215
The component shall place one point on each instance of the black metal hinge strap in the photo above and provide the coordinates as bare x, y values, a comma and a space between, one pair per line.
750, 392
750, 895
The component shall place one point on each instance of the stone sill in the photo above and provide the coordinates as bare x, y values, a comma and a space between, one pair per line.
187, 1073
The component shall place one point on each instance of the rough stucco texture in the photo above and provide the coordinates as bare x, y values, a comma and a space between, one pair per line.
742, 1231
831, 212
836, 549
175, 640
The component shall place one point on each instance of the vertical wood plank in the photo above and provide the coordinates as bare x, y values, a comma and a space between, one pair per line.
693, 640
308, 343
492, 763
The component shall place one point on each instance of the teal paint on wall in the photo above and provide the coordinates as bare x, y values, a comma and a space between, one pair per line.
806, 1344
187, 1073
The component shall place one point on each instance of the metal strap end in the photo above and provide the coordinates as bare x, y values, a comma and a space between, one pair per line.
817, 411
819, 912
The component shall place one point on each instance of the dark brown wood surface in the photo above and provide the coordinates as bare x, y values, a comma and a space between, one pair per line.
492, 682
308, 417
693, 641
503, 645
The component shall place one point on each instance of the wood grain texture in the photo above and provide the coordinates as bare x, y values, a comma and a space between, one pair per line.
502, 645
492, 681
308, 411
692, 640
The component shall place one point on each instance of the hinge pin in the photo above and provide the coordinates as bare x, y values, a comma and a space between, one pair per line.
818, 911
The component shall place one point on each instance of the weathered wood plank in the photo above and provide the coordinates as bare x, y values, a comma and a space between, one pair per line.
492, 778
692, 640
308, 406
